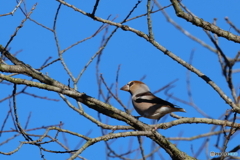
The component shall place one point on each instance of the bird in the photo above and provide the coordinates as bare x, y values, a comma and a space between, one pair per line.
147, 104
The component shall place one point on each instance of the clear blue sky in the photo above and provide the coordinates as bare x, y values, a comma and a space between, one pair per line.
137, 58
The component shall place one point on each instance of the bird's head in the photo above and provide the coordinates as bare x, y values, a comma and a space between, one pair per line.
135, 87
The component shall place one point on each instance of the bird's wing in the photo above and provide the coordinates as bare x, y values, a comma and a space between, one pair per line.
157, 107
148, 97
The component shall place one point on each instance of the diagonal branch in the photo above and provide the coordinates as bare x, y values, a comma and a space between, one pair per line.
203, 24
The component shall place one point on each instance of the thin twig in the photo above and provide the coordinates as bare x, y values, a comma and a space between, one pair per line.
95, 7
149, 21
141, 147
13, 11
115, 97
232, 25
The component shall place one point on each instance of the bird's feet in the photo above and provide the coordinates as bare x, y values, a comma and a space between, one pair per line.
137, 117
155, 128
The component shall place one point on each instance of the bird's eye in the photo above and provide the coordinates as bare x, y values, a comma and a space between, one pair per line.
130, 84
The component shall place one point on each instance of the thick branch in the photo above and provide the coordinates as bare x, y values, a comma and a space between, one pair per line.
203, 24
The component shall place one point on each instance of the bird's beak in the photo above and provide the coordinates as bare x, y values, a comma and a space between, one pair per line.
125, 88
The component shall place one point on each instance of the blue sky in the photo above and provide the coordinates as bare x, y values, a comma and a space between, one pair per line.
137, 58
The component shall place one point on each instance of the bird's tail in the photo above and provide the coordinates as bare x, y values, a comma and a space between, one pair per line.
180, 110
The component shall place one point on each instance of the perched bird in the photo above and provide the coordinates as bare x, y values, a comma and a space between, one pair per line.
146, 103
